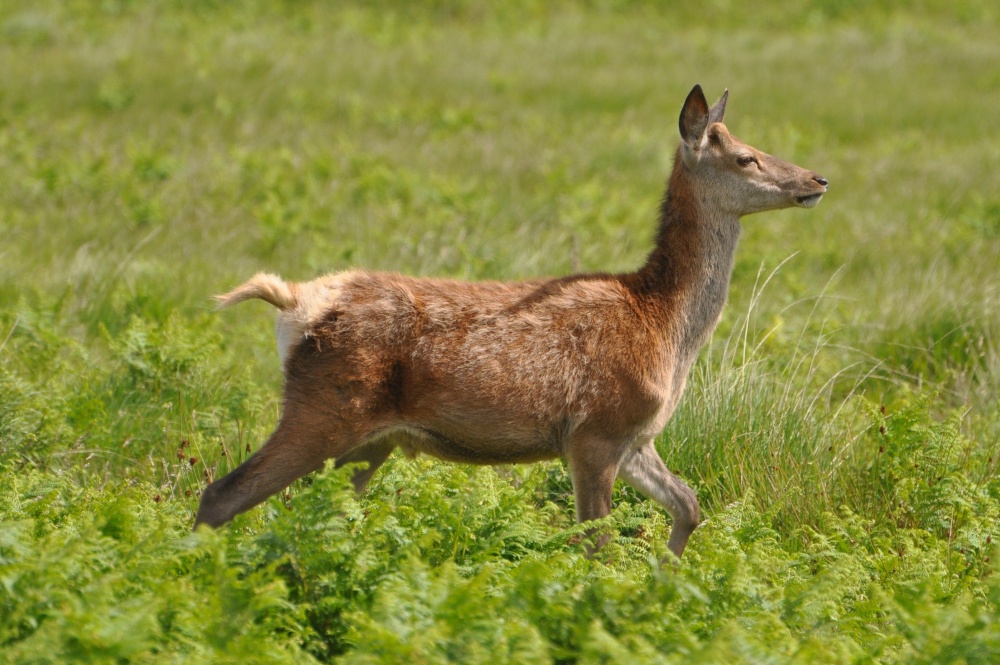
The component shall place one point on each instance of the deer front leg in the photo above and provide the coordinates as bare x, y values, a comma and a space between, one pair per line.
646, 472
593, 471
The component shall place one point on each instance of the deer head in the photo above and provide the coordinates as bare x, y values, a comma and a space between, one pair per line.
730, 176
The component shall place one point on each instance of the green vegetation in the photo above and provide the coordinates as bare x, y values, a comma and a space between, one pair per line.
842, 430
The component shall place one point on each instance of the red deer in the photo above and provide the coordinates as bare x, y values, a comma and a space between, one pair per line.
588, 367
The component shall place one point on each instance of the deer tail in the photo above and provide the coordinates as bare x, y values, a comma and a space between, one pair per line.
263, 286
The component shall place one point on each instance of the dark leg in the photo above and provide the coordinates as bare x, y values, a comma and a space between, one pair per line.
283, 459
375, 453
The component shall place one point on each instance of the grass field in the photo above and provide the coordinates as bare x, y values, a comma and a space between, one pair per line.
842, 430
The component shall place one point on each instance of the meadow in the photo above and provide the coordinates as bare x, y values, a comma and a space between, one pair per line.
842, 429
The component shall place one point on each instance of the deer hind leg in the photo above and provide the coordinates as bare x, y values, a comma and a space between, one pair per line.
285, 457
375, 453
304, 439
593, 474
646, 472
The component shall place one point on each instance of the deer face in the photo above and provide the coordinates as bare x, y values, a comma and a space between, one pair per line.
734, 177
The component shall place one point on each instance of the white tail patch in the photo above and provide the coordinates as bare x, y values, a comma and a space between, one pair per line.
301, 304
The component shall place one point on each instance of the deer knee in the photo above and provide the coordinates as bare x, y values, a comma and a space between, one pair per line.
688, 511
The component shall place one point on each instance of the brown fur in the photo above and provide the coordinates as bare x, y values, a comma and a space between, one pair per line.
587, 367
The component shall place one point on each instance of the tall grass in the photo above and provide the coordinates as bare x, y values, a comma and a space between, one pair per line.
772, 412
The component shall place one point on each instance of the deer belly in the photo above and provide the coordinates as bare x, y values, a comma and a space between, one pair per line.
478, 445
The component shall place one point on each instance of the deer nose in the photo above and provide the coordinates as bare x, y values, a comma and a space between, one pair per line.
821, 180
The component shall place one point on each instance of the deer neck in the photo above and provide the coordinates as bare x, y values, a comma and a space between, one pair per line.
688, 272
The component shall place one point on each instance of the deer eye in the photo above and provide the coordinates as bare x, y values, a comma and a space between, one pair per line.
746, 160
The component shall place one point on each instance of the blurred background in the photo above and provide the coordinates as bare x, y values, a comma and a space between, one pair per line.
841, 429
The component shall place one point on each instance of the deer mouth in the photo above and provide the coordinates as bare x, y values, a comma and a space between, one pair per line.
808, 201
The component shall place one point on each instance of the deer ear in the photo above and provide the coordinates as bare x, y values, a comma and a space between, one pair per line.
694, 118
719, 110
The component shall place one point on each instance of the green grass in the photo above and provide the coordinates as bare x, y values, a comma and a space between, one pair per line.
842, 429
